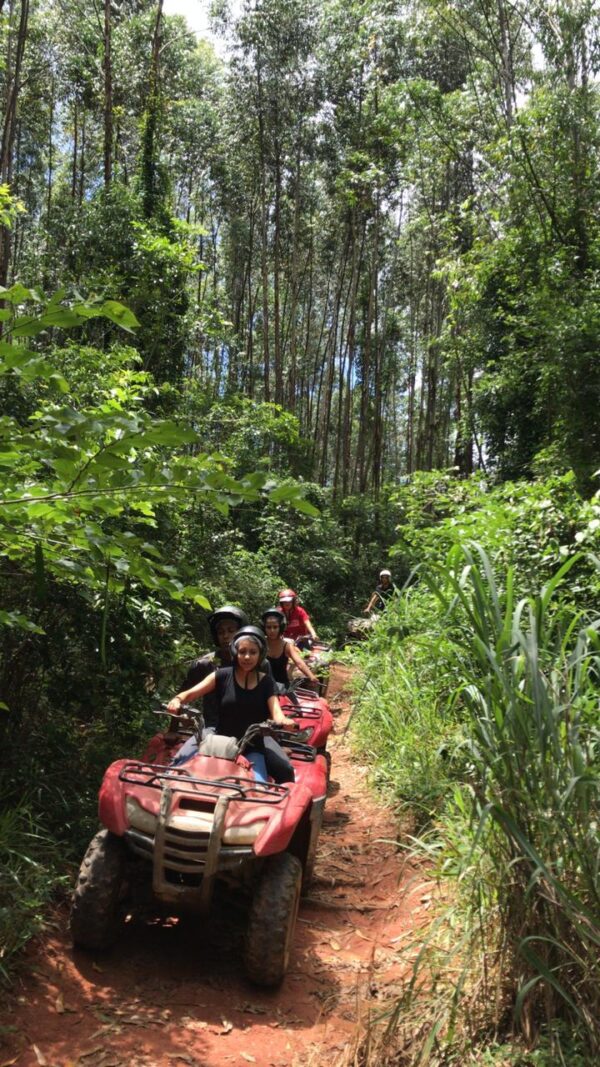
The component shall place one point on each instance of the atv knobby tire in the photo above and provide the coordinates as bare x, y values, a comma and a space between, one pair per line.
95, 911
272, 920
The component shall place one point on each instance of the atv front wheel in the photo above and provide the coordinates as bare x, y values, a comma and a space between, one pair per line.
95, 911
272, 920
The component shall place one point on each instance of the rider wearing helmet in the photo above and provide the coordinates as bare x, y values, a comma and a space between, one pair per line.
245, 694
383, 592
297, 620
224, 624
280, 649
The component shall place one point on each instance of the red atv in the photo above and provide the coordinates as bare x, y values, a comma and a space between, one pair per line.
185, 830
318, 656
311, 714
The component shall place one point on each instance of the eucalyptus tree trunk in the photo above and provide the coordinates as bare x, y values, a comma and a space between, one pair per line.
75, 148
294, 284
149, 148
13, 67
108, 95
365, 428
277, 355
82, 159
264, 212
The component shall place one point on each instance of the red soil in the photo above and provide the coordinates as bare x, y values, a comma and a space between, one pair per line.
174, 993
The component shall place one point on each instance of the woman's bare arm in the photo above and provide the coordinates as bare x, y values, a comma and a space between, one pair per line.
292, 653
276, 714
207, 685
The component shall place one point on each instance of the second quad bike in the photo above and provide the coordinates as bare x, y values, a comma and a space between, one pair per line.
185, 831
318, 657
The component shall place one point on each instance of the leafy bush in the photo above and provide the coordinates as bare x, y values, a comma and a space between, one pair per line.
530, 526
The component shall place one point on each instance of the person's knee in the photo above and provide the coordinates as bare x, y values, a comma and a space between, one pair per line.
287, 774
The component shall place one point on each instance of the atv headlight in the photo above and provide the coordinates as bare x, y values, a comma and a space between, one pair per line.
139, 818
243, 835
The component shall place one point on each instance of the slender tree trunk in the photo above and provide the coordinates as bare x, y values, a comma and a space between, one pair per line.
108, 96
365, 427
324, 408
82, 161
506, 60
291, 391
150, 183
277, 357
264, 235
13, 85
49, 191
75, 148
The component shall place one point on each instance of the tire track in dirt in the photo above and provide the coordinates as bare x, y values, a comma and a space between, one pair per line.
173, 992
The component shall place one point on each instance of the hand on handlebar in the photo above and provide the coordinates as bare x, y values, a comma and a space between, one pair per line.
177, 708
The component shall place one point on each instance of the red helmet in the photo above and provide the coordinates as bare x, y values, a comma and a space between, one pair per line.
287, 594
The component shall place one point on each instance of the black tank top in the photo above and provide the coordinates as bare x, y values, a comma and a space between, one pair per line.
238, 707
279, 668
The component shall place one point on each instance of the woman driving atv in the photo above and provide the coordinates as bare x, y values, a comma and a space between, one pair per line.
245, 695
281, 650
298, 625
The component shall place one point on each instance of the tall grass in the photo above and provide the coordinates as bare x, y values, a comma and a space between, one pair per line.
518, 842
532, 690
29, 865
404, 719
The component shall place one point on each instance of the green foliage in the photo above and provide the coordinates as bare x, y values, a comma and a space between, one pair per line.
534, 526
484, 723
405, 719
30, 863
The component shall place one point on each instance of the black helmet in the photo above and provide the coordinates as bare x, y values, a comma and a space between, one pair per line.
276, 613
228, 611
253, 632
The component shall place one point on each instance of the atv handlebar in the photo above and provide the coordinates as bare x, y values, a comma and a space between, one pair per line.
269, 728
187, 716
186, 711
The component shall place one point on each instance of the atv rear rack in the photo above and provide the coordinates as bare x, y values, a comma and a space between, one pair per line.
299, 712
155, 776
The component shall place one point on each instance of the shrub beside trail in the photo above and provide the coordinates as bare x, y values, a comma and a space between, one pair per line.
479, 704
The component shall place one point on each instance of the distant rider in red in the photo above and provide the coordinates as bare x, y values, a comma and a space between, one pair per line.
298, 624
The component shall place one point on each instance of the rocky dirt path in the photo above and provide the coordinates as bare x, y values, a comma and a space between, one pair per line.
173, 993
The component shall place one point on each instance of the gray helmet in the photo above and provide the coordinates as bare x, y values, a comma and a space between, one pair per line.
228, 611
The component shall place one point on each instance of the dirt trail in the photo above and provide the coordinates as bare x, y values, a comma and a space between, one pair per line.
174, 993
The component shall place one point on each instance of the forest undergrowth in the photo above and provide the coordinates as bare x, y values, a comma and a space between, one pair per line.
478, 703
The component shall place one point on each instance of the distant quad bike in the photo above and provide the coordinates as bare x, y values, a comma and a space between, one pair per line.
317, 656
358, 629
181, 832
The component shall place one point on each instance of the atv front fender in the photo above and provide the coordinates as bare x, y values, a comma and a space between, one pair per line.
111, 808
279, 830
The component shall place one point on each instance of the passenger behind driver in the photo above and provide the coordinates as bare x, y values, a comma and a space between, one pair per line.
224, 623
245, 695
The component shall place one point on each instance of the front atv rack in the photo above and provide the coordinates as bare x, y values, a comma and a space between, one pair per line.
185, 863
156, 775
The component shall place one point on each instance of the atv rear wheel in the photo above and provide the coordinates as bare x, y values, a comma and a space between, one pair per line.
272, 920
95, 911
